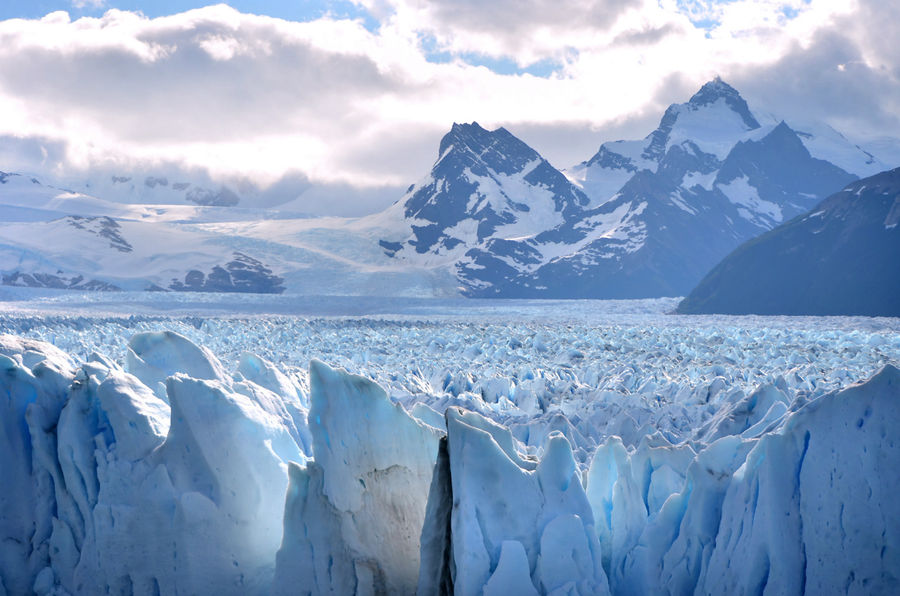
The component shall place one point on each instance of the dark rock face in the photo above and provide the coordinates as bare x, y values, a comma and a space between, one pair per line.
781, 169
212, 198
469, 156
104, 227
242, 274
609, 159
390, 248
843, 258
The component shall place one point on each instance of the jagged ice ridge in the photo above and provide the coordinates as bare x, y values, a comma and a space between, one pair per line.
553, 469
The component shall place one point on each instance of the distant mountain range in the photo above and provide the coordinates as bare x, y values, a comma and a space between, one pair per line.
492, 218
843, 258
639, 219
114, 246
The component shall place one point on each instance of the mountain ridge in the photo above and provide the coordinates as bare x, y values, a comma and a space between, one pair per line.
492, 217
842, 258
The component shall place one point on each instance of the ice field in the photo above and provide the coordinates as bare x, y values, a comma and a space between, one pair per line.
152, 444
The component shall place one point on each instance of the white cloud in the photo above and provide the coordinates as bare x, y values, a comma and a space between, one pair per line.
257, 96
528, 30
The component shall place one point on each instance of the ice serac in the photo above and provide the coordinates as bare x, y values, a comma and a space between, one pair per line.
814, 509
679, 538
217, 477
154, 356
803, 509
714, 487
33, 378
507, 519
370, 476
274, 392
626, 488
119, 491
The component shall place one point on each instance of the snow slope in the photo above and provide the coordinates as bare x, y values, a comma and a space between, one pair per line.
178, 247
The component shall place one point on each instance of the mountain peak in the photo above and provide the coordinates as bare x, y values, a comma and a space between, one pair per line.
717, 89
471, 135
839, 259
468, 128
496, 149
713, 90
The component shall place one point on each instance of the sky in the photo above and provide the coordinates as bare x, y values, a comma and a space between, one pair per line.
354, 95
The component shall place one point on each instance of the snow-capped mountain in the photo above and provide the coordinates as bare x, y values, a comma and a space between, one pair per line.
55, 238
843, 258
491, 208
715, 119
101, 253
485, 185
639, 219
645, 218
694, 209
52, 237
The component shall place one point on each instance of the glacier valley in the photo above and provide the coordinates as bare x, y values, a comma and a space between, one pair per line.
159, 443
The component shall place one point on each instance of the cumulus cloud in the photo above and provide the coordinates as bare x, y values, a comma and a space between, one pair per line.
528, 30
846, 74
210, 81
246, 95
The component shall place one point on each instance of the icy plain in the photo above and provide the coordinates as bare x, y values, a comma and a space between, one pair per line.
155, 444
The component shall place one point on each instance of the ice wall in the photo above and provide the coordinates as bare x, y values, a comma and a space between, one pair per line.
814, 508
807, 507
368, 483
173, 475
501, 524
115, 490
33, 378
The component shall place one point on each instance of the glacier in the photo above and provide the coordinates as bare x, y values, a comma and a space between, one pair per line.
589, 449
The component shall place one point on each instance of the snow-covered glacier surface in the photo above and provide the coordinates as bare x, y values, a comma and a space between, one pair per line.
341, 446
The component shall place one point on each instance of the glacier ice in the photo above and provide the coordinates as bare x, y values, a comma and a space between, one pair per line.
705, 456
502, 504
370, 476
154, 356
813, 508
129, 492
